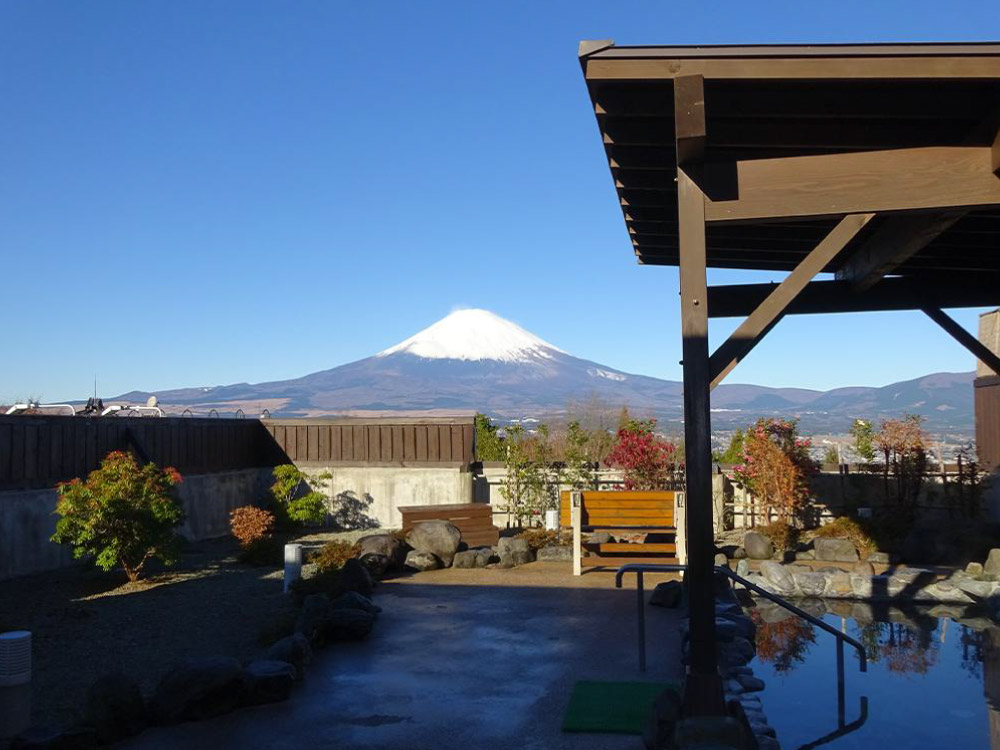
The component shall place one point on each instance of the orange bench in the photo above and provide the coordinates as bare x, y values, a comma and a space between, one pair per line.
648, 513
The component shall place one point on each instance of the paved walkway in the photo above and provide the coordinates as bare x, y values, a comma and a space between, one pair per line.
459, 658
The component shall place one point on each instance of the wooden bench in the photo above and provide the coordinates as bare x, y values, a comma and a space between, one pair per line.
650, 513
474, 520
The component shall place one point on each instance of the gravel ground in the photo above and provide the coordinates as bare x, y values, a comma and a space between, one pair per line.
86, 623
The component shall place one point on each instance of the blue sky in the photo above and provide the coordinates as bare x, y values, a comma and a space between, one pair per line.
199, 193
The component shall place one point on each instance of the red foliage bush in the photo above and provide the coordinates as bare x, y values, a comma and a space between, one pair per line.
250, 525
649, 462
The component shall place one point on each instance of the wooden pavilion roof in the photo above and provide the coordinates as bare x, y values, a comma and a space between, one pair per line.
797, 137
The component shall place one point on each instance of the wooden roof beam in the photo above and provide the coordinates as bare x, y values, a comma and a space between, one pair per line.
895, 241
901, 293
772, 308
917, 179
966, 339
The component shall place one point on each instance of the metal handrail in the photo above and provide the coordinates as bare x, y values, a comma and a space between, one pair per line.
841, 638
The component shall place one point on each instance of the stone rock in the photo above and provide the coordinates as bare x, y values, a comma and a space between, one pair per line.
733, 688
878, 558
663, 717
974, 569
465, 559
293, 649
312, 621
667, 594
767, 743
838, 584
510, 544
348, 625
992, 566
736, 652
864, 569
758, 546
861, 586
555, 553
744, 625
386, 545
517, 557
835, 550
778, 576
743, 568
376, 565
438, 538
198, 689
267, 681
599, 537
810, 584
115, 708
354, 576
976, 589
751, 683
725, 630
354, 600
721, 561
761, 729
422, 560
739, 553
55, 738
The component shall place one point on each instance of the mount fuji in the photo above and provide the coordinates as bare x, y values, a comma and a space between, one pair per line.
474, 360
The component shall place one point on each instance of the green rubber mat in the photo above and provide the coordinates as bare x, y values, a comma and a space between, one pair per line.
611, 707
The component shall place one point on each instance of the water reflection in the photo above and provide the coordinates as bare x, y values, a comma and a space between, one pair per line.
929, 672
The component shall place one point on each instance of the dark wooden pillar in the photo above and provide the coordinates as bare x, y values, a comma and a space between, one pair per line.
703, 690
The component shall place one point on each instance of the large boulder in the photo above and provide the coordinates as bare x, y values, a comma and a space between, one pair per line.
115, 708
198, 689
354, 576
835, 550
992, 566
293, 649
438, 538
758, 546
478, 557
349, 625
422, 561
514, 551
354, 600
555, 553
810, 584
316, 609
778, 576
668, 594
386, 545
376, 565
267, 681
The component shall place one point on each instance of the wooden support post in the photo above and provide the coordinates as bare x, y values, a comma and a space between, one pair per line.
966, 339
575, 513
772, 309
703, 689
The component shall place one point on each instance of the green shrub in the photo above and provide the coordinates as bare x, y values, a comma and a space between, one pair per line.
848, 528
332, 556
122, 515
783, 535
309, 508
538, 538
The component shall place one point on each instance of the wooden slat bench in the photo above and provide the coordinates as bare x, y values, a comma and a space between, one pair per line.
620, 513
474, 520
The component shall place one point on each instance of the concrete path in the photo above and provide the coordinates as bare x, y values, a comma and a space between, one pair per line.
459, 658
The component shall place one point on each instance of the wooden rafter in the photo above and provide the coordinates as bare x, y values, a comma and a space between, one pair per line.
895, 241
966, 339
977, 290
772, 308
835, 184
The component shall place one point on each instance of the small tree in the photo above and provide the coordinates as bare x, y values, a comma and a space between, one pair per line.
581, 472
649, 462
734, 453
489, 443
122, 515
527, 487
777, 468
310, 507
864, 439
902, 444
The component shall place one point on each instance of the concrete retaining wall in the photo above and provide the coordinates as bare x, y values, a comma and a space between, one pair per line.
370, 496
27, 520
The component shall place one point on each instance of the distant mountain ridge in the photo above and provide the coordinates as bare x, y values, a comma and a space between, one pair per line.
475, 360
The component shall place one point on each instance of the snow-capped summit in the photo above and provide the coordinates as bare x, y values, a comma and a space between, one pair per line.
474, 335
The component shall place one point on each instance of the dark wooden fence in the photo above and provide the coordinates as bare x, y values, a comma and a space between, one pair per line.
376, 441
40, 450
988, 421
